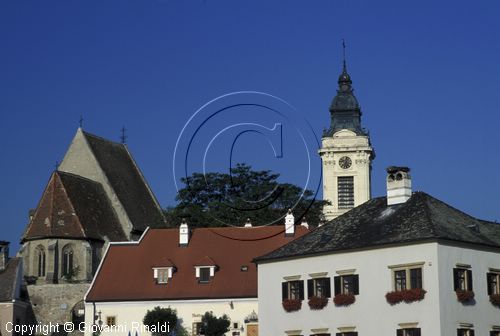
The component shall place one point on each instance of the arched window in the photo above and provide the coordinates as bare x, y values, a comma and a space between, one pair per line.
67, 261
40, 253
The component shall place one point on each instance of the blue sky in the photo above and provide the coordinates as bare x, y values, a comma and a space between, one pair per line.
426, 74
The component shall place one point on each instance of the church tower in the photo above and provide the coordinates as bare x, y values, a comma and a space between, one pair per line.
346, 153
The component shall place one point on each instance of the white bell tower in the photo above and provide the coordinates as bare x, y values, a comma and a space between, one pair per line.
346, 153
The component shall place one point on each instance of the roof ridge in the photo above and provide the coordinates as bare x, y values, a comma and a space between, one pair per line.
85, 133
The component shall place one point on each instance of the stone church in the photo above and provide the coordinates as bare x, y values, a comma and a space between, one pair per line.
96, 196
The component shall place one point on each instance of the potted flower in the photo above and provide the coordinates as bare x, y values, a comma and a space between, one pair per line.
291, 305
344, 299
465, 296
407, 295
317, 303
495, 300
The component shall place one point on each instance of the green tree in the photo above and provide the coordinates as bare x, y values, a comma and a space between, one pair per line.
213, 325
215, 199
160, 316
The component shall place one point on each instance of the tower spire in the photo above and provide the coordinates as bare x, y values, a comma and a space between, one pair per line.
343, 50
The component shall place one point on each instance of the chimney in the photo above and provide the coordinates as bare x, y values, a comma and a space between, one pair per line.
4, 254
183, 233
248, 224
289, 223
304, 223
398, 185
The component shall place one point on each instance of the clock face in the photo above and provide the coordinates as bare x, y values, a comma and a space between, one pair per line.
345, 162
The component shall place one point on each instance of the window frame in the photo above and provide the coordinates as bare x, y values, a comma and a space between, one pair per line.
465, 332
111, 318
493, 277
320, 284
407, 282
42, 258
465, 274
204, 275
408, 332
292, 290
343, 287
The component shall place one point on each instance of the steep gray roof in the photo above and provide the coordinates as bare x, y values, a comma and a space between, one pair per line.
8, 280
127, 182
374, 223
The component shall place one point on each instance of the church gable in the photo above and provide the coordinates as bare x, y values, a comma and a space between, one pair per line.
111, 164
55, 215
74, 207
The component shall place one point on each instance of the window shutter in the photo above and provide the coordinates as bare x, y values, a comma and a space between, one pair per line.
417, 332
355, 279
471, 332
284, 290
336, 281
455, 279
469, 280
399, 332
489, 279
328, 291
310, 288
301, 290
493, 333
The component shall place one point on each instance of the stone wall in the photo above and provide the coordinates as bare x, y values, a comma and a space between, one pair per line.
54, 302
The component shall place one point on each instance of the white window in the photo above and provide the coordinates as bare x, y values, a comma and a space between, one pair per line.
162, 274
407, 277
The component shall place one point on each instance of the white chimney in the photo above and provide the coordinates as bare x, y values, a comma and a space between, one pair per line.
183, 234
398, 185
289, 223
248, 223
304, 223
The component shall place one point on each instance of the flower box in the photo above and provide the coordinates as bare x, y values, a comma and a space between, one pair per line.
344, 299
465, 295
291, 305
408, 296
495, 300
317, 303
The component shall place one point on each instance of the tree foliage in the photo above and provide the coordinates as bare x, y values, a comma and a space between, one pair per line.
160, 316
213, 325
217, 199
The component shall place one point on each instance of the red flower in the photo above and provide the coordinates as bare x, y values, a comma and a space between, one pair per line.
495, 300
344, 299
291, 305
317, 303
408, 296
464, 295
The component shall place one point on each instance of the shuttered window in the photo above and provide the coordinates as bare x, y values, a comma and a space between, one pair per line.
292, 290
345, 187
347, 284
319, 287
462, 279
465, 332
493, 283
408, 332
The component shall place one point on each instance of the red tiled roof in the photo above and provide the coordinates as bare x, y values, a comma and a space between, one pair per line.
74, 207
206, 261
126, 273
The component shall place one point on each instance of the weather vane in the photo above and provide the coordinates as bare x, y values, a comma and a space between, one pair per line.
123, 136
343, 50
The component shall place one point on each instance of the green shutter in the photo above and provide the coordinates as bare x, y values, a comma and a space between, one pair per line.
284, 291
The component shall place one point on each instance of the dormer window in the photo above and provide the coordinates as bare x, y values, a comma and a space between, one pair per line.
162, 274
205, 273
205, 269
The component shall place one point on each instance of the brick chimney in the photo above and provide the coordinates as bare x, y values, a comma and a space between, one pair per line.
4, 254
289, 224
184, 233
398, 185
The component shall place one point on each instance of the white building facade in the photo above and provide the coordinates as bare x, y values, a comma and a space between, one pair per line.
414, 267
